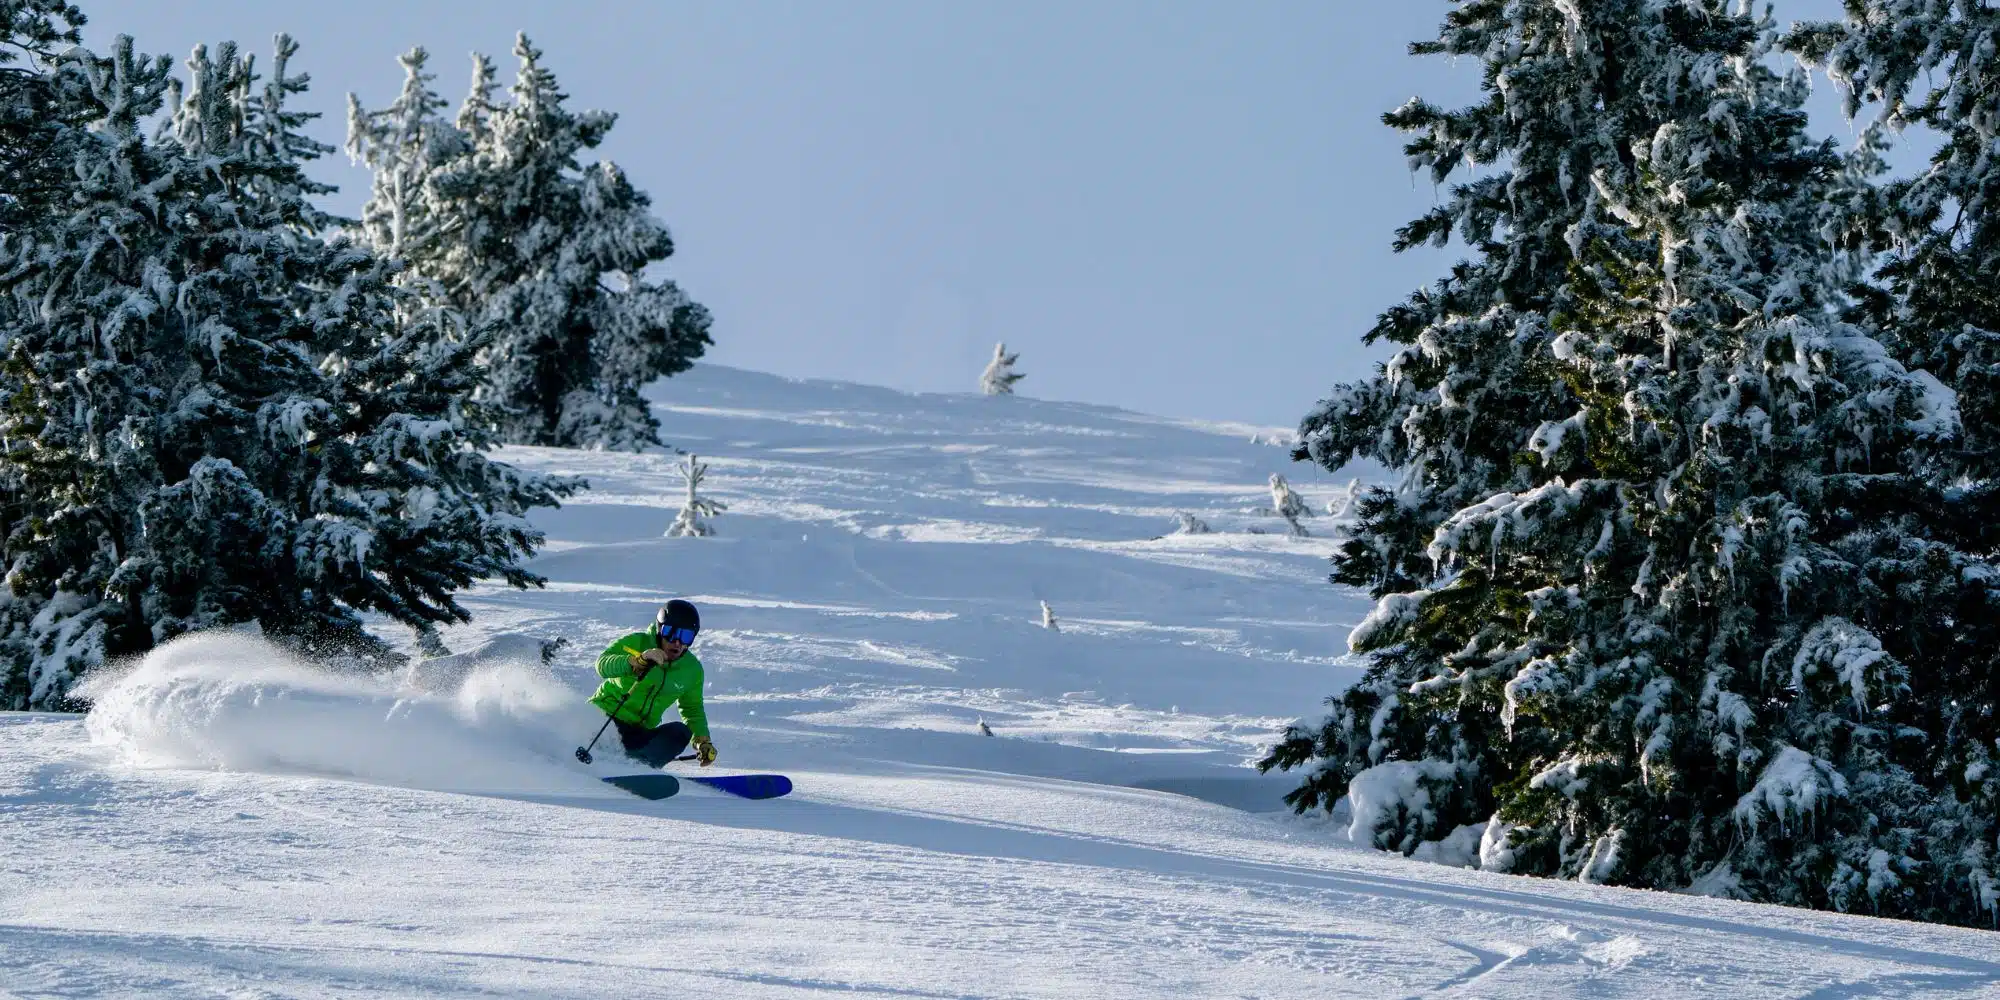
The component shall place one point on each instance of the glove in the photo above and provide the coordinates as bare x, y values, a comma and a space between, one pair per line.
704, 750
642, 662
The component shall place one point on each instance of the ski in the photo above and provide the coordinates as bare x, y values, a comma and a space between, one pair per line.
647, 786
749, 786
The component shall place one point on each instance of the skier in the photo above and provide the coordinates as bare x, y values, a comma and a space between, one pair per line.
643, 674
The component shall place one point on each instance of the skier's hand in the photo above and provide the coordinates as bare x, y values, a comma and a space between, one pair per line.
642, 662
704, 750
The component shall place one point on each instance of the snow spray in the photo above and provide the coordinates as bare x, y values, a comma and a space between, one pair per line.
233, 701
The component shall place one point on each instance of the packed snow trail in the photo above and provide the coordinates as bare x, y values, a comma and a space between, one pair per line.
915, 882
230, 823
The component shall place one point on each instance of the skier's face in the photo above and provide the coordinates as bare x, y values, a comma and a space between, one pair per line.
674, 647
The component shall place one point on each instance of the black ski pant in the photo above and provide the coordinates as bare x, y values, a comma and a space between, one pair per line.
653, 746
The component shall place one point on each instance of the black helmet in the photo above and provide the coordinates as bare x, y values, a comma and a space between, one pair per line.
677, 614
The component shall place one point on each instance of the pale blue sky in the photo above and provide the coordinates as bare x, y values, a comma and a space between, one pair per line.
1181, 208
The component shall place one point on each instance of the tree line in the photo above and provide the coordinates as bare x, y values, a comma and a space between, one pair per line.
221, 404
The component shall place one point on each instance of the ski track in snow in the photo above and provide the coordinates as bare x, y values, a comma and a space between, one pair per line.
231, 824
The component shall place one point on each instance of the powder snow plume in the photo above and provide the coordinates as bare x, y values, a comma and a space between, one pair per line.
500, 722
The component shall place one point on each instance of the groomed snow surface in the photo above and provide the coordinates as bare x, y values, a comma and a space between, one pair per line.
230, 823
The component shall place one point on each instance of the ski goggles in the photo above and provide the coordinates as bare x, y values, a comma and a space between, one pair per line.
684, 636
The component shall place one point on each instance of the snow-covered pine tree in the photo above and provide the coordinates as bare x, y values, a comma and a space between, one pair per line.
999, 377
1459, 400
1655, 663
403, 145
1934, 65
692, 521
1289, 505
213, 415
1470, 383
42, 126
34, 119
551, 254
1342, 505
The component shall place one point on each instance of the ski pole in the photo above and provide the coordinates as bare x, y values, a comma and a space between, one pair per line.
583, 753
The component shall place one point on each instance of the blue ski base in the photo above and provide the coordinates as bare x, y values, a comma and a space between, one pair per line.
749, 786
647, 786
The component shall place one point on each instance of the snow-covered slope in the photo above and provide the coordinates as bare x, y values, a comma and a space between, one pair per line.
229, 823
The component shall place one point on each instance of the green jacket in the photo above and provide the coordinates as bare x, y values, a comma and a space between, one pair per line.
673, 683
